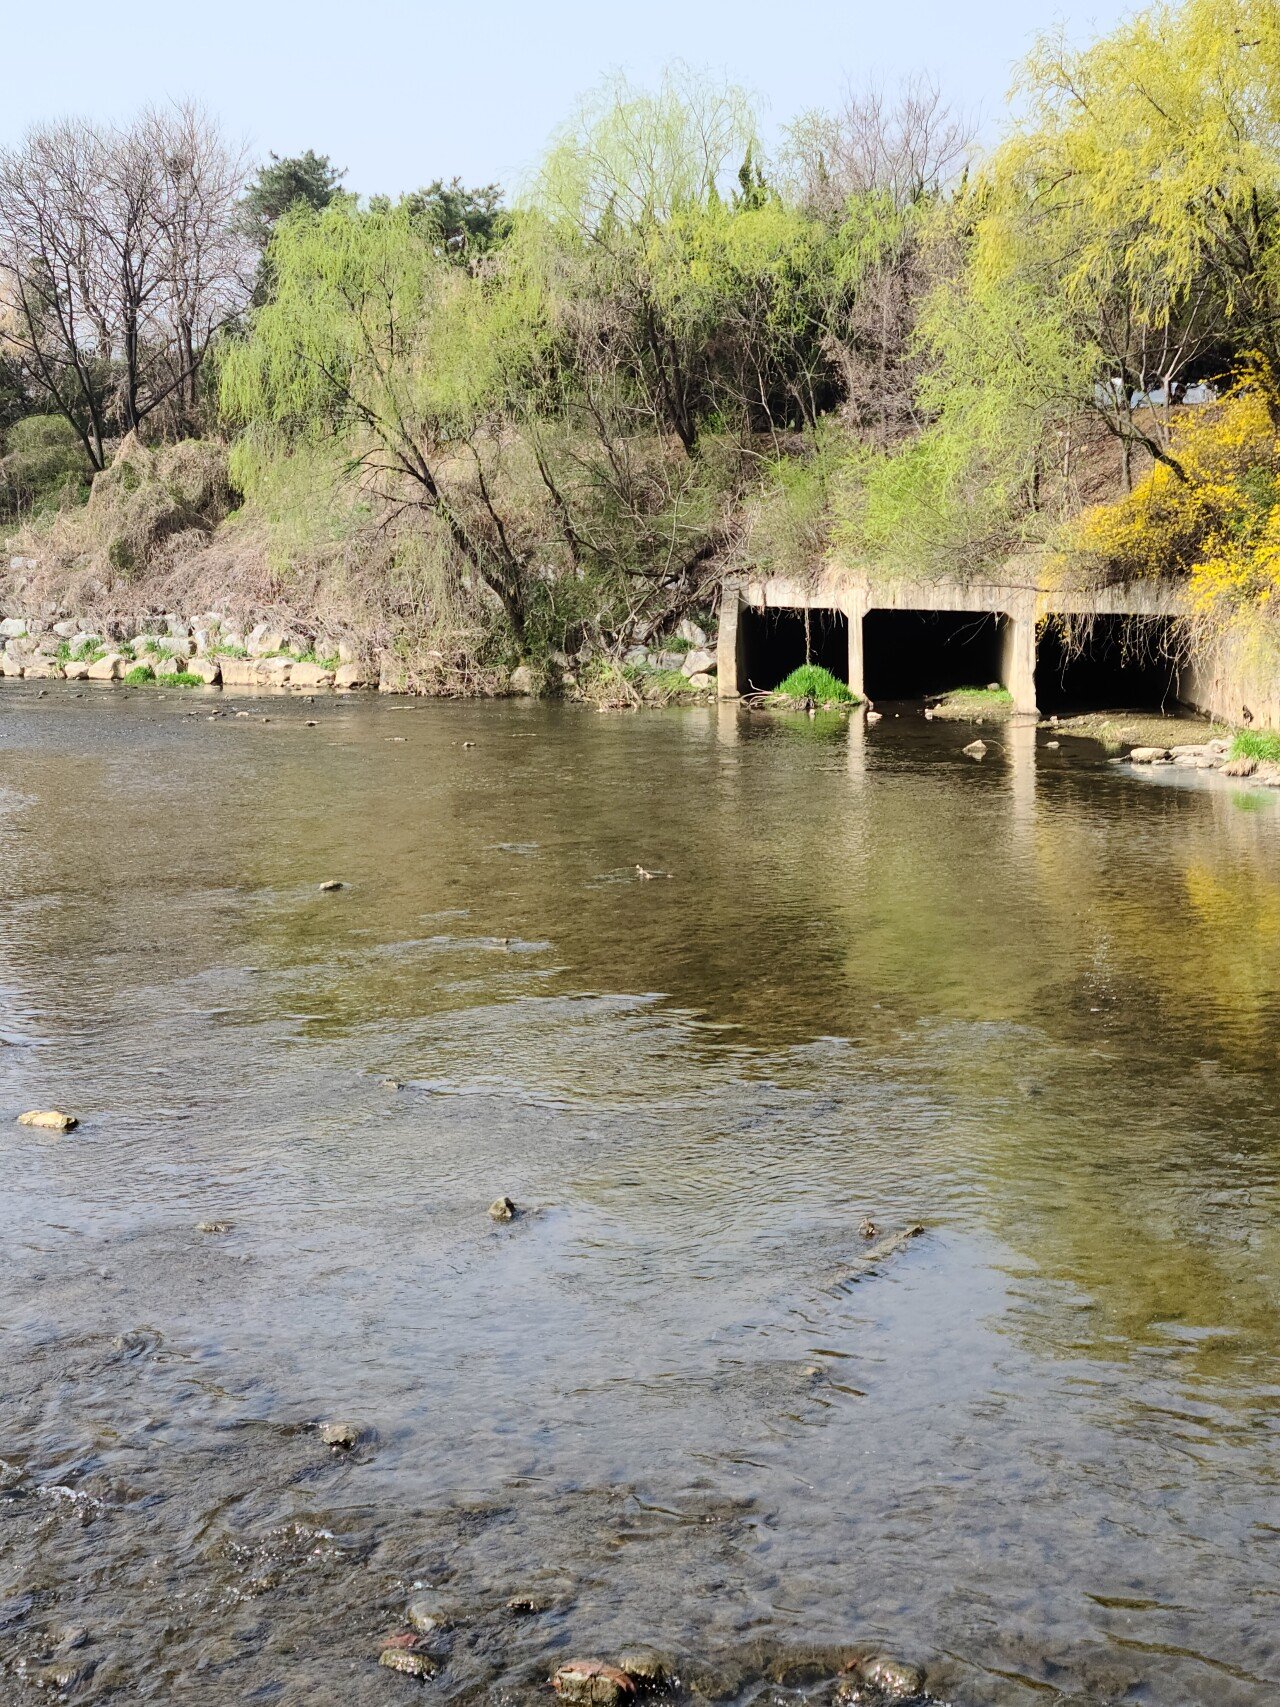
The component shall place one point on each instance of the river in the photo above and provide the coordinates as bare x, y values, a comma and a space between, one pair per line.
1031, 1003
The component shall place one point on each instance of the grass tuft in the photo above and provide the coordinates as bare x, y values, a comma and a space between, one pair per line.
181, 679
140, 674
1256, 744
810, 684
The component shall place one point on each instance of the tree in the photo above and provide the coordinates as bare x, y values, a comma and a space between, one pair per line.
370, 335
281, 184
118, 265
466, 222
1141, 192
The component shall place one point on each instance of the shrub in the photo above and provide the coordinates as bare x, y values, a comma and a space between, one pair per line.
140, 674
43, 464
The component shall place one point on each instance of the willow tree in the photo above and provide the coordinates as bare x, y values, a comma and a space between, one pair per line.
373, 338
1141, 194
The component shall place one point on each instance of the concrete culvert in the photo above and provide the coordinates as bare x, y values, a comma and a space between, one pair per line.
908, 654
1108, 663
773, 644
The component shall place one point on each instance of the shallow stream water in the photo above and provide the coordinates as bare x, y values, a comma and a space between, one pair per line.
1031, 1003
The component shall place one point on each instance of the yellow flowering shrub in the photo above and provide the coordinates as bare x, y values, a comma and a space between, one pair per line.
1220, 526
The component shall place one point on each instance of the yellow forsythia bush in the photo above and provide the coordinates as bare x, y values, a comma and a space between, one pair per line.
1220, 527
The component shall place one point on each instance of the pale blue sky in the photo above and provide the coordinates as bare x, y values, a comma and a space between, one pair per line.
401, 92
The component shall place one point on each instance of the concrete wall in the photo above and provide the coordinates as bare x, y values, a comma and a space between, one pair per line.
1224, 681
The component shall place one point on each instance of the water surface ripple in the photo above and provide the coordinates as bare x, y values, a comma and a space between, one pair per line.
1030, 1003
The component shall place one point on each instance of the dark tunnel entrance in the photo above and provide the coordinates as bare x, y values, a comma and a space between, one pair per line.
909, 654
773, 644
1105, 663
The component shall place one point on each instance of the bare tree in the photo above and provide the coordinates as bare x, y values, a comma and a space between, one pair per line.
119, 261
903, 148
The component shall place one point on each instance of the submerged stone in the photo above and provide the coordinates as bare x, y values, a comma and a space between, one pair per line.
644, 1667
342, 1436
892, 1679
502, 1209
412, 1662
594, 1683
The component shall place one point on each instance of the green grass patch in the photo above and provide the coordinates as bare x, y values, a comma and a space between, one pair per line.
180, 679
140, 674
981, 696
810, 684
1256, 744
226, 650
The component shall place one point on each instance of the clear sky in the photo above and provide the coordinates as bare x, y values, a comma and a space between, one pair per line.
403, 91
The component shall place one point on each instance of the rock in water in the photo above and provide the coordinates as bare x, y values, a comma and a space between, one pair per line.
644, 1667
213, 1226
593, 1683
51, 1119
428, 1614
502, 1209
893, 1680
334, 883
976, 750
1240, 767
1148, 755
340, 1435
413, 1662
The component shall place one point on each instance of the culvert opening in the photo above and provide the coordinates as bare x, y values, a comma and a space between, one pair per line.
908, 654
774, 644
1108, 663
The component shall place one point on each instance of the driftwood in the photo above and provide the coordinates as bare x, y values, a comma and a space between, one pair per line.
881, 1252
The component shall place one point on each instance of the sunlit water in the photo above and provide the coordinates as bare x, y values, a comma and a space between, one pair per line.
1031, 1003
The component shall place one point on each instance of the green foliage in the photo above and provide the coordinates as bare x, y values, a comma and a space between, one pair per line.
461, 223
810, 684
1256, 744
309, 179
140, 674
43, 465
177, 679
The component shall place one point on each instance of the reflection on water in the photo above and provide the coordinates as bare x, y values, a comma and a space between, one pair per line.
1030, 1002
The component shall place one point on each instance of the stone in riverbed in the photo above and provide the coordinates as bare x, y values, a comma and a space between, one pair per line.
331, 885
208, 670
77, 670
429, 1614
1234, 767
502, 1209
352, 675
523, 682
1148, 755
893, 1680
644, 1667
213, 1226
342, 1436
975, 750
412, 1661
593, 1683
108, 668
49, 1119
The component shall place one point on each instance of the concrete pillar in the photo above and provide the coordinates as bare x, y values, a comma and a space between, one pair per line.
1018, 660
729, 642
854, 606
